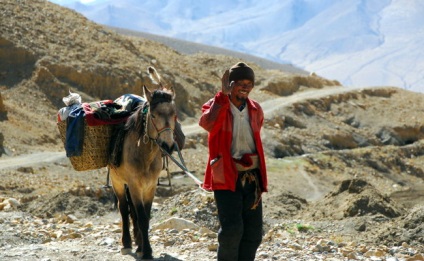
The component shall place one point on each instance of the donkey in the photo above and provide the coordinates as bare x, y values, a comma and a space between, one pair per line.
148, 131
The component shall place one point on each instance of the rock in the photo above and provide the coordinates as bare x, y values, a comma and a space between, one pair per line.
295, 246
213, 247
418, 257
14, 203
107, 241
175, 223
374, 253
263, 255
57, 234
361, 226
169, 242
207, 232
26, 170
71, 219
352, 256
346, 251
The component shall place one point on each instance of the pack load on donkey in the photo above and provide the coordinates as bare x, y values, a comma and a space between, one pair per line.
87, 129
137, 132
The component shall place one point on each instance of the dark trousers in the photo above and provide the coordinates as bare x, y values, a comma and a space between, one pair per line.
241, 229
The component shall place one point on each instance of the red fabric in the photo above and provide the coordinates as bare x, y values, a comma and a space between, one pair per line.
218, 121
245, 161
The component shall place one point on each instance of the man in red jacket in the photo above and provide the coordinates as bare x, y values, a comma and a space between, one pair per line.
236, 169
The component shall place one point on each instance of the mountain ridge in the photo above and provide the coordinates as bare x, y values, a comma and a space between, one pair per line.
189, 48
359, 43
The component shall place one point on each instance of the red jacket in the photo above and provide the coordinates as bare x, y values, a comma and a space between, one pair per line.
217, 119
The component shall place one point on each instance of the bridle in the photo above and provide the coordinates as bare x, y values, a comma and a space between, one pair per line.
148, 118
146, 136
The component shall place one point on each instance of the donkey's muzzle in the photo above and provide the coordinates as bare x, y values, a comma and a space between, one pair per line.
165, 146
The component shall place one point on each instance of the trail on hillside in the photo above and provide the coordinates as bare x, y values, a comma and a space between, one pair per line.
270, 106
31, 159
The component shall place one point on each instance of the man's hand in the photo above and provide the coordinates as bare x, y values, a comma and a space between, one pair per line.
226, 85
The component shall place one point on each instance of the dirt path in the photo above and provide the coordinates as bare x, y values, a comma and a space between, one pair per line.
31, 159
270, 106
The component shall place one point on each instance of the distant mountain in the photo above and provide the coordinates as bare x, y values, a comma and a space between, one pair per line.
359, 43
187, 47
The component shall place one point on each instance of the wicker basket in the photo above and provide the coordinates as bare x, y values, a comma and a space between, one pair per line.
95, 146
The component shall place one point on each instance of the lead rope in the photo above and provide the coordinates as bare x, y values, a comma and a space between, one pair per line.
182, 166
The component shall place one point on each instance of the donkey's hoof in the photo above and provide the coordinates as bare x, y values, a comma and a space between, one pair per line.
144, 257
126, 251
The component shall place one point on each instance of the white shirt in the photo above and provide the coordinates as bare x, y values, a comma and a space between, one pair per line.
243, 142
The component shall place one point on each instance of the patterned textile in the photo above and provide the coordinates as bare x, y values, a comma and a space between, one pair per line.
111, 112
252, 176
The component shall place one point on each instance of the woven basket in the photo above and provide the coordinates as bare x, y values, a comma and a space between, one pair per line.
95, 146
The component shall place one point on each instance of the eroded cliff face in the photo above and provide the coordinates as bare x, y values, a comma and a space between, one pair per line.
16, 63
287, 85
60, 50
56, 79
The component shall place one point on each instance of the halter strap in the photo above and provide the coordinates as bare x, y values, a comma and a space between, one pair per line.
146, 112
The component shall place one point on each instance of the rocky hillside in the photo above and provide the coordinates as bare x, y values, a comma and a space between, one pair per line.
343, 155
47, 50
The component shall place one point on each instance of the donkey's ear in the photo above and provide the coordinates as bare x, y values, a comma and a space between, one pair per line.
147, 93
154, 76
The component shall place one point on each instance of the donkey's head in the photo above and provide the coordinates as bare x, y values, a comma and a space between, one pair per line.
162, 114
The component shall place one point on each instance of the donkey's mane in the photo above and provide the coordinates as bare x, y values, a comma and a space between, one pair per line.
159, 96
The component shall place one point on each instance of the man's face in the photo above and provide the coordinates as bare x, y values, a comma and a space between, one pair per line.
241, 90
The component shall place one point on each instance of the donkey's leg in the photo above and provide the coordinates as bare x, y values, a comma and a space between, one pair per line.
133, 214
144, 249
124, 210
143, 209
